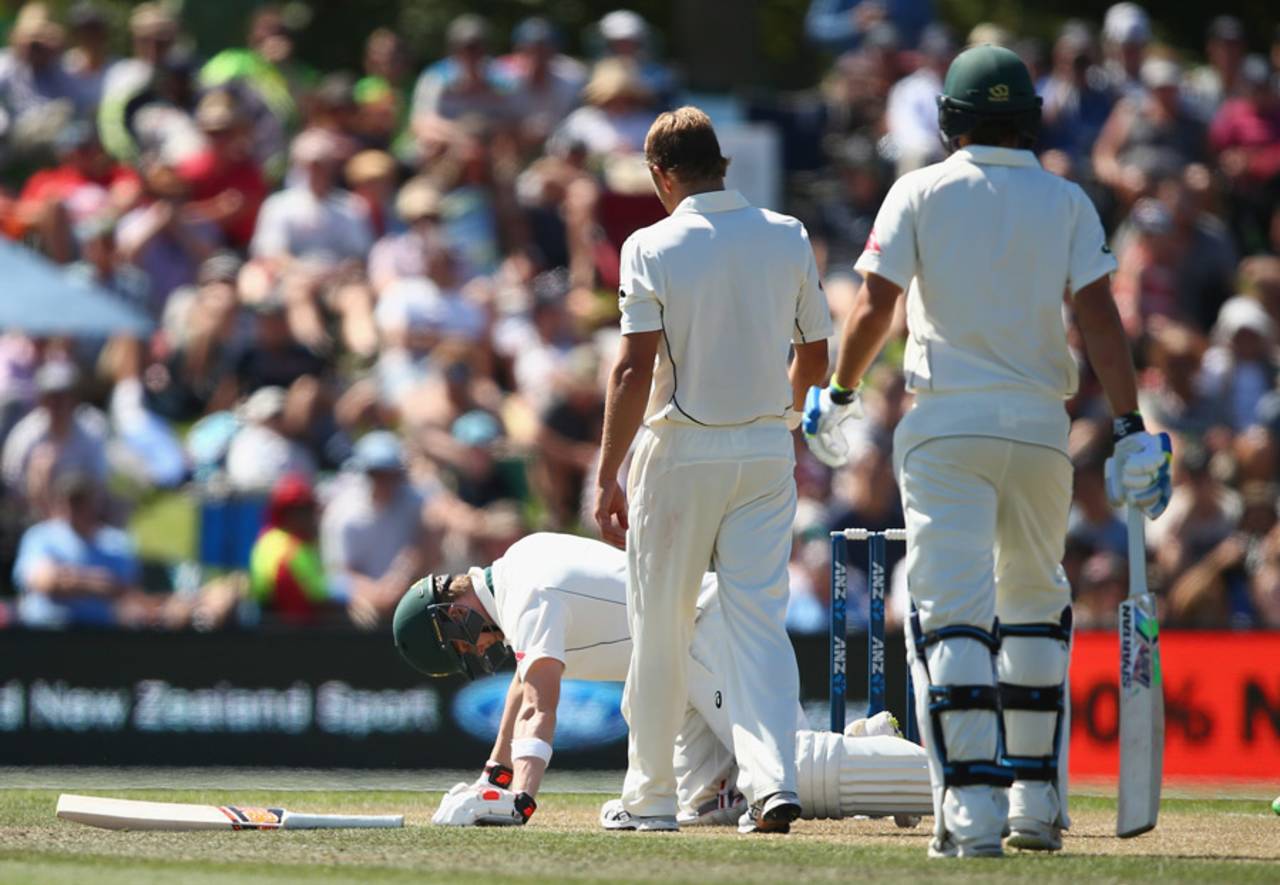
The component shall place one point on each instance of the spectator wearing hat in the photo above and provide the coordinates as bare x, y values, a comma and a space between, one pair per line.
402, 255
546, 84
627, 38
1245, 137
226, 180
263, 449
1126, 37
1208, 86
37, 95
842, 25
1149, 136
372, 530
1077, 100
89, 54
1240, 368
616, 117
465, 83
61, 435
287, 578
912, 113
371, 175
74, 571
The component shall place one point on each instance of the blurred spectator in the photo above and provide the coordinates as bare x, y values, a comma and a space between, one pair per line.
153, 32
465, 83
263, 450
1210, 85
89, 55
1104, 583
266, 64
73, 571
37, 95
371, 175
846, 210
1240, 368
163, 238
1245, 136
569, 433
226, 180
101, 262
382, 93
286, 576
85, 182
59, 436
842, 25
617, 114
1150, 135
1264, 582
273, 357
372, 530
545, 83
1146, 281
155, 118
1093, 525
627, 39
1202, 512
913, 108
1126, 34
401, 254
1177, 400
1077, 100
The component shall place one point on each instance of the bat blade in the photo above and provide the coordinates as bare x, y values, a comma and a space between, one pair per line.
131, 814
1141, 697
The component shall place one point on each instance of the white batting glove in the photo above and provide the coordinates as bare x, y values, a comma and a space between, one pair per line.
1138, 471
828, 425
478, 805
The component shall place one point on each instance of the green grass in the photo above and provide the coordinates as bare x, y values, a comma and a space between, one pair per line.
164, 528
1220, 840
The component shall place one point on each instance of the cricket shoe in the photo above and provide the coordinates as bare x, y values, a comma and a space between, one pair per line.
1034, 835
949, 847
614, 817
723, 810
773, 814
883, 724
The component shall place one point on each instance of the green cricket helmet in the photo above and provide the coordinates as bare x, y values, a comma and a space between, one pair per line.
987, 83
427, 625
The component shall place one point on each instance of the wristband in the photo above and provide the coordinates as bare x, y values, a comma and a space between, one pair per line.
841, 396
531, 748
1127, 425
498, 774
525, 807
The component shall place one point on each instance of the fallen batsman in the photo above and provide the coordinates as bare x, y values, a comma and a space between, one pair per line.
558, 602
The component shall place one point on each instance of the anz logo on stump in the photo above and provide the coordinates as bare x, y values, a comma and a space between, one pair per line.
589, 715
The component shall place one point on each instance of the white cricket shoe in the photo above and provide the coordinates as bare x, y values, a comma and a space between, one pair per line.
883, 724
1035, 818
973, 821
949, 847
773, 814
614, 817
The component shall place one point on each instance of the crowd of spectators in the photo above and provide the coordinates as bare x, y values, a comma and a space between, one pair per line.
383, 300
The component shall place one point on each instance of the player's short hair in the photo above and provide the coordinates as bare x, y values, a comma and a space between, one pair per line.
457, 588
994, 132
683, 142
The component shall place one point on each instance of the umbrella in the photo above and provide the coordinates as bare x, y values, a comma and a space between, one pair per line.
38, 298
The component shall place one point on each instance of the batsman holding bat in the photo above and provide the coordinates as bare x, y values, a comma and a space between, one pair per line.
559, 602
986, 244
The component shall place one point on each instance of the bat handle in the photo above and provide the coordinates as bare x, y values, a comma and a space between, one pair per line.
1137, 525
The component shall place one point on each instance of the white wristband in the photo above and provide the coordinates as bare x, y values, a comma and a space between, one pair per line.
531, 748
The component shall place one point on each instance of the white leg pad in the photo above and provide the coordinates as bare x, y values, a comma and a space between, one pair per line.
1035, 662
841, 776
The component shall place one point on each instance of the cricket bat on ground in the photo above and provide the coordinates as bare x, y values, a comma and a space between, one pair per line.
1141, 695
130, 814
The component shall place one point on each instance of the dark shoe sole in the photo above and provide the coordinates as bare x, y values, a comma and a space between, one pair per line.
778, 819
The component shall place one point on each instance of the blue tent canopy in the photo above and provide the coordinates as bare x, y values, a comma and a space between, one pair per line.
37, 297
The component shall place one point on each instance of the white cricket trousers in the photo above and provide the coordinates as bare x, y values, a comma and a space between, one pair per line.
719, 498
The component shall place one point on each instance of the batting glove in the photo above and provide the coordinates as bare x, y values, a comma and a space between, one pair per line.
1138, 471
828, 414
478, 805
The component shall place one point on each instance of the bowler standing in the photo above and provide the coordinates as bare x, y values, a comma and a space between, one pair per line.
714, 299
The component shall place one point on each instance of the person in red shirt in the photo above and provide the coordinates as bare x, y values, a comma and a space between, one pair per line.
86, 182
226, 182
1245, 137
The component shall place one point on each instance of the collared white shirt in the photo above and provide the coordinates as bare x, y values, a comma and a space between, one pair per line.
986, 243
731, 287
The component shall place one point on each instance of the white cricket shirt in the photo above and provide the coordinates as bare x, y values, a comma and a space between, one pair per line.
565, 597
986, 243
731, 287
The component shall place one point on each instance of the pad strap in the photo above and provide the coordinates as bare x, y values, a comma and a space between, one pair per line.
989, 638
1042, 698
498, 774
1060, 631
525, 806
943, 698
968, 774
